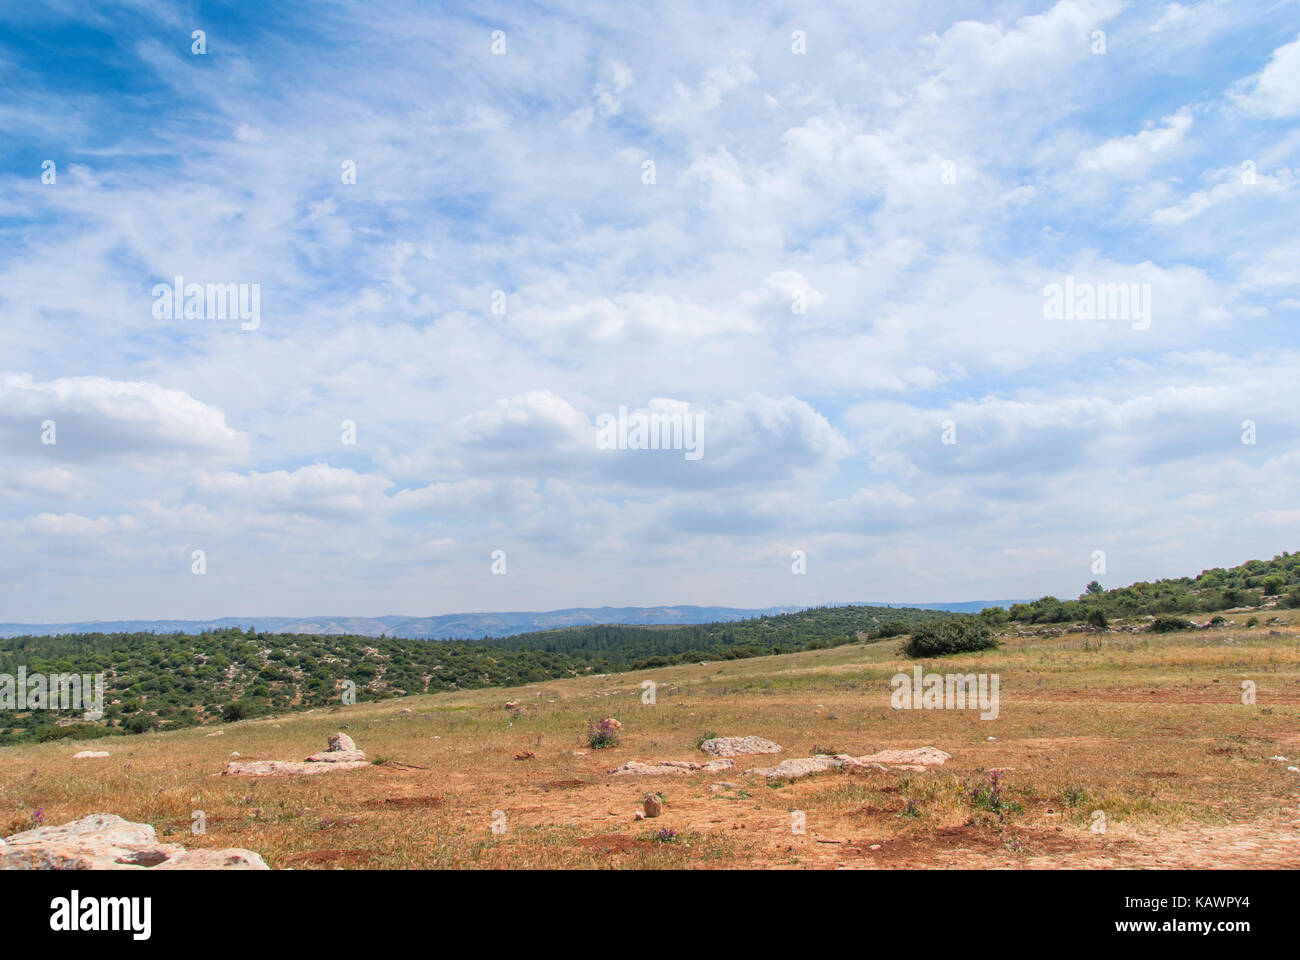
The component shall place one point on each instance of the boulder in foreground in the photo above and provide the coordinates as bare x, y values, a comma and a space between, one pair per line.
104, 841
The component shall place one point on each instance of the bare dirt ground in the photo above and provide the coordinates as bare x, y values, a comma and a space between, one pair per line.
1147, 734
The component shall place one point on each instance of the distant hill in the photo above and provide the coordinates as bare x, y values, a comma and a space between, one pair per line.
464, 626
168, 680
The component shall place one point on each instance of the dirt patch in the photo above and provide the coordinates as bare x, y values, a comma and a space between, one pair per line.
402, 802
612, 843
332, 858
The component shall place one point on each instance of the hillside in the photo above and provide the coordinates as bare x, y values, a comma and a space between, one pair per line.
1109, 751
168, 681
165, 681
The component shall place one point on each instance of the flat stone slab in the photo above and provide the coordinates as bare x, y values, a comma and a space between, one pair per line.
917, 758
337, 756
341, 755
89, 754
793, 769
669, 767
920, 758
738, 746
287, 768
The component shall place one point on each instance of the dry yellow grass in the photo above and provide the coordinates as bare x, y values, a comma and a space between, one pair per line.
1149, 729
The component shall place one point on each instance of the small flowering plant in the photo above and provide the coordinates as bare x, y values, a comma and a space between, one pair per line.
602, 735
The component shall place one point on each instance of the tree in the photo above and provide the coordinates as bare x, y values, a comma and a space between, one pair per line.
1095, 588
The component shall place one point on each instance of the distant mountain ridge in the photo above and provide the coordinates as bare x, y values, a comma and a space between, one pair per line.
471, 626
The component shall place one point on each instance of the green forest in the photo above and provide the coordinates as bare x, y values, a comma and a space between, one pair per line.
165, 681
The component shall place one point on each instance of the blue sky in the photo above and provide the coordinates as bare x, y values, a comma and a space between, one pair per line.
915, 179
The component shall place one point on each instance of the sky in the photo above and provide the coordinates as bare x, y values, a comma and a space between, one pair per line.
827, 235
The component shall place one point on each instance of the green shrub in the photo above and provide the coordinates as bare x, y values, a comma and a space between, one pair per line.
1096, 618
955, 635
1170, 624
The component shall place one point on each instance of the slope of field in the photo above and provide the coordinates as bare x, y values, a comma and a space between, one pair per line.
166, 681
1150, 730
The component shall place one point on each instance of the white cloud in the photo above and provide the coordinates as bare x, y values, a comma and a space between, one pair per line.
1275, 91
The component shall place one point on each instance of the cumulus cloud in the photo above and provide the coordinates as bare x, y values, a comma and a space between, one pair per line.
97, 418
1275, 90
840, 251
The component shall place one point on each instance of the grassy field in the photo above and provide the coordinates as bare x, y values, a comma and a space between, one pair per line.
1149, 729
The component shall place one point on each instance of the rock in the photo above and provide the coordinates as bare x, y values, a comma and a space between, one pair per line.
234, 858
337, 756
792, 769
921, 758
639, 815
669, 767
611, 722
285, 768
104, 841
917, 759
653, 805
722, 785
525, 755
404, 710
219, 733
736, 746
89, 754
341, 755
512, 703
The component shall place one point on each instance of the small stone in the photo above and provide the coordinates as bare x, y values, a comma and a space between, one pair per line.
653, 805
89, 754
639, 815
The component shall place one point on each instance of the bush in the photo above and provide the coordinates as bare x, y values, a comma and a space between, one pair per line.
603, 734
140, 723
1096, 618
1170, 624
955, 635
